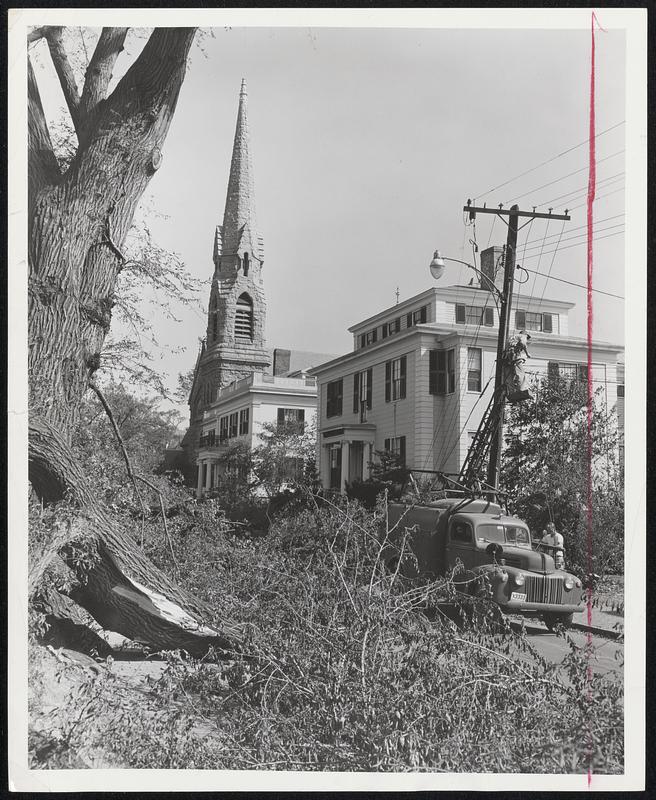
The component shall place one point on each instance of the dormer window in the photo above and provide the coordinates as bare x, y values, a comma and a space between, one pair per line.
246, 264
244, 318
536, 321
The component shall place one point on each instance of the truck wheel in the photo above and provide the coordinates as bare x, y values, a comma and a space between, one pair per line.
553, 620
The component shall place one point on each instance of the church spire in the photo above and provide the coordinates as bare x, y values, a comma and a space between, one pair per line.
238, 234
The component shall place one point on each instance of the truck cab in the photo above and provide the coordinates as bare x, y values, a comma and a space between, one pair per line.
472, 539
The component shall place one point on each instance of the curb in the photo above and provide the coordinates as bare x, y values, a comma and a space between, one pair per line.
609, 634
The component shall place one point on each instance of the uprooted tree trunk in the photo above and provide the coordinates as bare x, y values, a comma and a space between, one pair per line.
78, 222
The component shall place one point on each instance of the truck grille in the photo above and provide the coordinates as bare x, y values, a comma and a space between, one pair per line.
543, 589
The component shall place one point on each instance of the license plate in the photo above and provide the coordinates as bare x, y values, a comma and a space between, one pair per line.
518, 596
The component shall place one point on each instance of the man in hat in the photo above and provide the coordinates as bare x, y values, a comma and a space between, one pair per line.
515, 357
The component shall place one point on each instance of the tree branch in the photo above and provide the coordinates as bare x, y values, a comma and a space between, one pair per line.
99, 71
43, 168
64, 72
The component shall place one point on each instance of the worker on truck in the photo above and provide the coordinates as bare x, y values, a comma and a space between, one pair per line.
554, 542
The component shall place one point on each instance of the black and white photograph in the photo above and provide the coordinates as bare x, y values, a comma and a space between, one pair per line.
322, 469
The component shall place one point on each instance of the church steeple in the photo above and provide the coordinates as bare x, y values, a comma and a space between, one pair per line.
237, 240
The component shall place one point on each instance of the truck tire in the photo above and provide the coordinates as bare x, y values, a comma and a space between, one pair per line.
552, 620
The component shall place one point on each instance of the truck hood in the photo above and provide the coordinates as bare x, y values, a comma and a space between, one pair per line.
521, 558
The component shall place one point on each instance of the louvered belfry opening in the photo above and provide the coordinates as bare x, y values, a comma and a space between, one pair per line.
244, 318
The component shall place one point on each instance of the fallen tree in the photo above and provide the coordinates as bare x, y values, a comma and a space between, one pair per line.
78, 221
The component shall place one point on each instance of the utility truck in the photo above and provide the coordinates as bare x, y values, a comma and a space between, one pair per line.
481, 546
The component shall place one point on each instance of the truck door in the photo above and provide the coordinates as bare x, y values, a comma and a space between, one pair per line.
460, 543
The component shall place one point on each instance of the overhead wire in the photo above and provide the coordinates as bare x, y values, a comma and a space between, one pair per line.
549, 160
579, 235
577, 244
578, 227
610, 179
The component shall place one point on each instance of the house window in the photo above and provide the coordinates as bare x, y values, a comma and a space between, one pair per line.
396, 446
536, 321
569, 372
244, 419
371, 336
417, 317
442, 371
395, 379
334, 392
392, 327
362, 392
244, 318
223, 428
474, 368
620, 390
233, 425
474, 315
293, 419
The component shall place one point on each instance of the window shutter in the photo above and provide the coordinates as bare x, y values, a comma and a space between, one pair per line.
384, 331
281, 417
402, 382
370, 374
432, 371
423, 313
547, 323
489, 317
402, 450
582, 373
441, 372
301, 415
356, 392
387, 445
388, 381
552, 369
363, 340
408, 321
520, 320
374, 335
460, 314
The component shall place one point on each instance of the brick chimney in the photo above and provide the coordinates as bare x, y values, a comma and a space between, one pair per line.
492, 266
281, 359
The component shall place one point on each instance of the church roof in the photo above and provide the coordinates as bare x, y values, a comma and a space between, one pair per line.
239, 230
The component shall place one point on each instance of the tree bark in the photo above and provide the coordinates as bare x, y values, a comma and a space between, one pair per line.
78, 222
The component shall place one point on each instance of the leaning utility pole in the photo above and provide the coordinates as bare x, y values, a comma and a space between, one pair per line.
499, 403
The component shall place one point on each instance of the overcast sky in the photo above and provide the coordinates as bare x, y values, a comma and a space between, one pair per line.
367, 142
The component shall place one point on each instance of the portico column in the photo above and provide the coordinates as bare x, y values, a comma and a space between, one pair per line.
208, 477
199, 488
346, 451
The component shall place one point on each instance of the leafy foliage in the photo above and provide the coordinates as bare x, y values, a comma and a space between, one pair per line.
347, 667
544, 469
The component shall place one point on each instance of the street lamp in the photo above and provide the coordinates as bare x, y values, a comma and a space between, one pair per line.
437, 266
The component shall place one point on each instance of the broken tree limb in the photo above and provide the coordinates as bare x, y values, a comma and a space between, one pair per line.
110, 576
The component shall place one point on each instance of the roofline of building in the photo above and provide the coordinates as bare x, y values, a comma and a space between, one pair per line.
449, 291
461, 332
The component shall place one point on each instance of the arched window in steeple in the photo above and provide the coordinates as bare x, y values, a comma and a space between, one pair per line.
244, 318
246, 264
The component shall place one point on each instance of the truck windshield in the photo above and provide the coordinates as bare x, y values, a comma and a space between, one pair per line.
503, 534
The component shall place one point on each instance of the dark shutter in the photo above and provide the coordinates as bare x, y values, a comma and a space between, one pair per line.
402, 382
552, 369
402, 450
374, 335
432, 371
370, 381
384, 331
488, 318
301, 415
441, 372
356, 392
423, 313
582, 372
388, 381
281, 417
520, 320
547, 323
408, 321
460, 314
451, 370
386, 446
363, 339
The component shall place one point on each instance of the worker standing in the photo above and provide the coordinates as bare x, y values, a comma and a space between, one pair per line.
556, 543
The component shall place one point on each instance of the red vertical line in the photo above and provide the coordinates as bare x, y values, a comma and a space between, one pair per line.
592, 178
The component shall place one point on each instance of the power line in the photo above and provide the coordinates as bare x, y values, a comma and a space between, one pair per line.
601, 197
569, 174
579, 235
609, 179
577, 228
571, 283
578, 244
548, 161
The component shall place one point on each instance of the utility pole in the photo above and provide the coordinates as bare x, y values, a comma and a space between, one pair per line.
499, 405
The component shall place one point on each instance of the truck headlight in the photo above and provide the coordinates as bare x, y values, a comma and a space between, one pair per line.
519, 579
569, 583
577, 583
